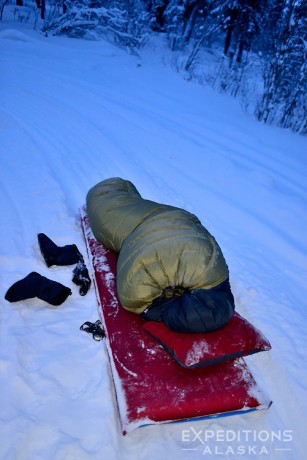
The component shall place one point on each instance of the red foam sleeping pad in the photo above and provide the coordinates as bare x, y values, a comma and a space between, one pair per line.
151, 387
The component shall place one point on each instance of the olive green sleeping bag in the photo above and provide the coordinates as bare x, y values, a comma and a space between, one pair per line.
161, 248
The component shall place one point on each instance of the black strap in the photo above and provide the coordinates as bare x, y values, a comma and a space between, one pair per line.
93, 328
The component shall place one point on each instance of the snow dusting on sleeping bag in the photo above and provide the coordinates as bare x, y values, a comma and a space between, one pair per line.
169, 266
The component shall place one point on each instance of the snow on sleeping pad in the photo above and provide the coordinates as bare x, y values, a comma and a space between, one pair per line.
151, 387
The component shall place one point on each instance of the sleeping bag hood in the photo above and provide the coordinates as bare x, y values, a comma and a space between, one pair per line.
165, 257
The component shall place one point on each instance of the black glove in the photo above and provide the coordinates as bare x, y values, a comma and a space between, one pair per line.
81, 277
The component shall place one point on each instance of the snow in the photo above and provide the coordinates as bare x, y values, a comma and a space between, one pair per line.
198, 350
76, 112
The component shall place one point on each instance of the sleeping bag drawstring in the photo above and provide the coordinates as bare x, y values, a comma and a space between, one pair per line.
93, 328
174, 291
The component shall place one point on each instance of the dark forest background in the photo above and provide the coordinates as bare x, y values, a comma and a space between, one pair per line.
252, 49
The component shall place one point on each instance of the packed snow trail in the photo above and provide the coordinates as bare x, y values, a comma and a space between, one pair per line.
76, 112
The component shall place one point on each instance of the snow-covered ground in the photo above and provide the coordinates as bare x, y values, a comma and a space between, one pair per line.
73, 113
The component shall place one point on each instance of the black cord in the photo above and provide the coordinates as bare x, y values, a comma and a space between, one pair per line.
94, 329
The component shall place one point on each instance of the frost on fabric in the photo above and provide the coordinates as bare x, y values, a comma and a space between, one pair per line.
126, 424
100, 263
133, 374
254, 390
120, 394
97, 256
197, 352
